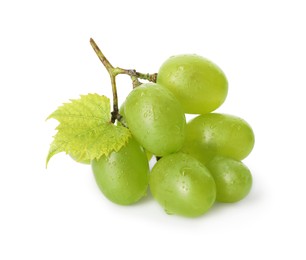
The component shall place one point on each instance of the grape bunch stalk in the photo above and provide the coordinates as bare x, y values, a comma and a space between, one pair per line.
197, 162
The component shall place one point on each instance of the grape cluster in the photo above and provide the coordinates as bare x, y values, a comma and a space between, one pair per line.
199, 162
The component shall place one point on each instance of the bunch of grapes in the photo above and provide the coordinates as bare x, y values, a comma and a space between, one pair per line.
198, 162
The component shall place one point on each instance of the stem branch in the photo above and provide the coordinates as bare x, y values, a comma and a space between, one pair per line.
101, 56
113, 72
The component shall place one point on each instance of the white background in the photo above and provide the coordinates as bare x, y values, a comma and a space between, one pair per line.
46, 59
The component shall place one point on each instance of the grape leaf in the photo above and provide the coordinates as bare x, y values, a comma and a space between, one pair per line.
85, 130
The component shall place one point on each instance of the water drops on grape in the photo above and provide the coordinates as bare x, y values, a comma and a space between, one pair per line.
151, 124
123, 176
218, 134
182, 185
199, 84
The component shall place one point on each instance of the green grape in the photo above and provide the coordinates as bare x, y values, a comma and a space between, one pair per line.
198, 84
233, 179
155, 118
123, 176
182, 185
218, 134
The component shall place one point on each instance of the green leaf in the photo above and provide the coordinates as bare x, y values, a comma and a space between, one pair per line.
85, 130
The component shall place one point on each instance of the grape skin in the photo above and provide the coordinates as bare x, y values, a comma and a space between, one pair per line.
123, 176
156, 119
233, 179
182, 185
199, 84
122, 113
215, 134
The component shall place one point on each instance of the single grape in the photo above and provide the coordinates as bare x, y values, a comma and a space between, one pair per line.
198, 83
123, 176
182, 185
218, 134
233, 179
155, 118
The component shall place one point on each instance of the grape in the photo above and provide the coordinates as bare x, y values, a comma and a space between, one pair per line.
198, 84
233, 179
155, 118
218, 134
123, 176
182, 185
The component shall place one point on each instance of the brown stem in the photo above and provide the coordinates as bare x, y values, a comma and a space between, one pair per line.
111, 71
149, 77
101, 56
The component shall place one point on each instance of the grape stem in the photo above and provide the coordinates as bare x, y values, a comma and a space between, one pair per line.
115, 71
